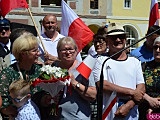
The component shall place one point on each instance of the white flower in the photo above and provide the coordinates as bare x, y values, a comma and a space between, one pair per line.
56, 72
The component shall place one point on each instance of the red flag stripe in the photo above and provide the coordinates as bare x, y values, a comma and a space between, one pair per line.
84, 70
7, 5
81, 36
105, 114
86, 66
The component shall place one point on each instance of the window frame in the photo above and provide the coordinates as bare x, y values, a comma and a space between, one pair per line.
129, 6
95, 4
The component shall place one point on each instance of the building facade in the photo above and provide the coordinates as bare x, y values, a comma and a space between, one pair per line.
133, 14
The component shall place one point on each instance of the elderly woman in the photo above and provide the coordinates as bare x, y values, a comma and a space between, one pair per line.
99, 46
151, 72
25, 50
76, 105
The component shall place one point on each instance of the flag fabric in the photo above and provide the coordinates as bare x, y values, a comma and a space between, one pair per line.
154, 13
73, 26
110, 103
7, 5
86, 66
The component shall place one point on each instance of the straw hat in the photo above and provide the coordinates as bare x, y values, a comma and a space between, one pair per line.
115, 29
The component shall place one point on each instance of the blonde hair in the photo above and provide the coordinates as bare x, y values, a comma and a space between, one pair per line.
19, 87
66, 40
24, 43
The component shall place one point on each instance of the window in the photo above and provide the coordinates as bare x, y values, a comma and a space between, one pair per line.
131, 36
48, 2
94, 4
127, 3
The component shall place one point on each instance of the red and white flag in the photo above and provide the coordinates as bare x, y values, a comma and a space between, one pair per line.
154, 13
73, 26
7, 5
110, 103
86, 66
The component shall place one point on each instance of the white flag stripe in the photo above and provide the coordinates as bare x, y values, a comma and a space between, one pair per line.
153, 3
66, 21
154, 13
89, 61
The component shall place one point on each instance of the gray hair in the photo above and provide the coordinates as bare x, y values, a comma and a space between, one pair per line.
156, 40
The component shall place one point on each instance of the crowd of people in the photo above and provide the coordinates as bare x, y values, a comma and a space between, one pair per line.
131, 79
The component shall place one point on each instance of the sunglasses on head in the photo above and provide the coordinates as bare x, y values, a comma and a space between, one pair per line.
4, 28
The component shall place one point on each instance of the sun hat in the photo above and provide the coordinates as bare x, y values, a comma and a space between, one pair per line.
115, 29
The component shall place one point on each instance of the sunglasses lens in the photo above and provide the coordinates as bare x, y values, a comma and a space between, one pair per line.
156, 47
4, 28
118, 36
15, 99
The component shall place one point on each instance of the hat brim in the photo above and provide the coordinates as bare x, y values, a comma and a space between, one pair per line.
4, 26
116, 33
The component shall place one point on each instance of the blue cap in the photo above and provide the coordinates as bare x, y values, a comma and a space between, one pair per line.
4, 22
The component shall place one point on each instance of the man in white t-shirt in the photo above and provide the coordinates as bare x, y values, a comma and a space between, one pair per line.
50, 38
123, 78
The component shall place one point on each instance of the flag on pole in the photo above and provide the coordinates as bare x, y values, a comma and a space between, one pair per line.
110, 103
86, 66
7, 5
154, 13
73, 26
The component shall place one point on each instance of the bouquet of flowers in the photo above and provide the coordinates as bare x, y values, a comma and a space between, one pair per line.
53, 80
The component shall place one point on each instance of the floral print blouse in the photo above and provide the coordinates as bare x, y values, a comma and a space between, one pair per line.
152, 78
11, 73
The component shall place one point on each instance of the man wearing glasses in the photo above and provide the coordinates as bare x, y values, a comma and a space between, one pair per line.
122, 78
145, 52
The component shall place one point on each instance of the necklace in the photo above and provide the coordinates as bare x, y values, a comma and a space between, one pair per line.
21, 75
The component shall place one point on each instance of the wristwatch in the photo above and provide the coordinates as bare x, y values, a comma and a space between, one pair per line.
78, 85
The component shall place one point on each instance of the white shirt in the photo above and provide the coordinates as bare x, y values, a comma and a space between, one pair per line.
127, 73
92, 51
12, 58
51, 46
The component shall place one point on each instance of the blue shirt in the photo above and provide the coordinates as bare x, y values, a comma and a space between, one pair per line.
28, 111
143, 54
73, 106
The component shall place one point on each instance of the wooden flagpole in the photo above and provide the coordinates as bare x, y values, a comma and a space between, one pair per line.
37, 30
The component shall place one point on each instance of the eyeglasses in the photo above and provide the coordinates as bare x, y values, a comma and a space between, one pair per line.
4, 28
114, 37
156, 47
100, 41
35, 50
70, 50
17, 99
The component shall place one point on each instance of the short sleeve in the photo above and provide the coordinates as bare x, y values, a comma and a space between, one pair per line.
97, 68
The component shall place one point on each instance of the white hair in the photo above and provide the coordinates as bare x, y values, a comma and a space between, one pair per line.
156, 40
